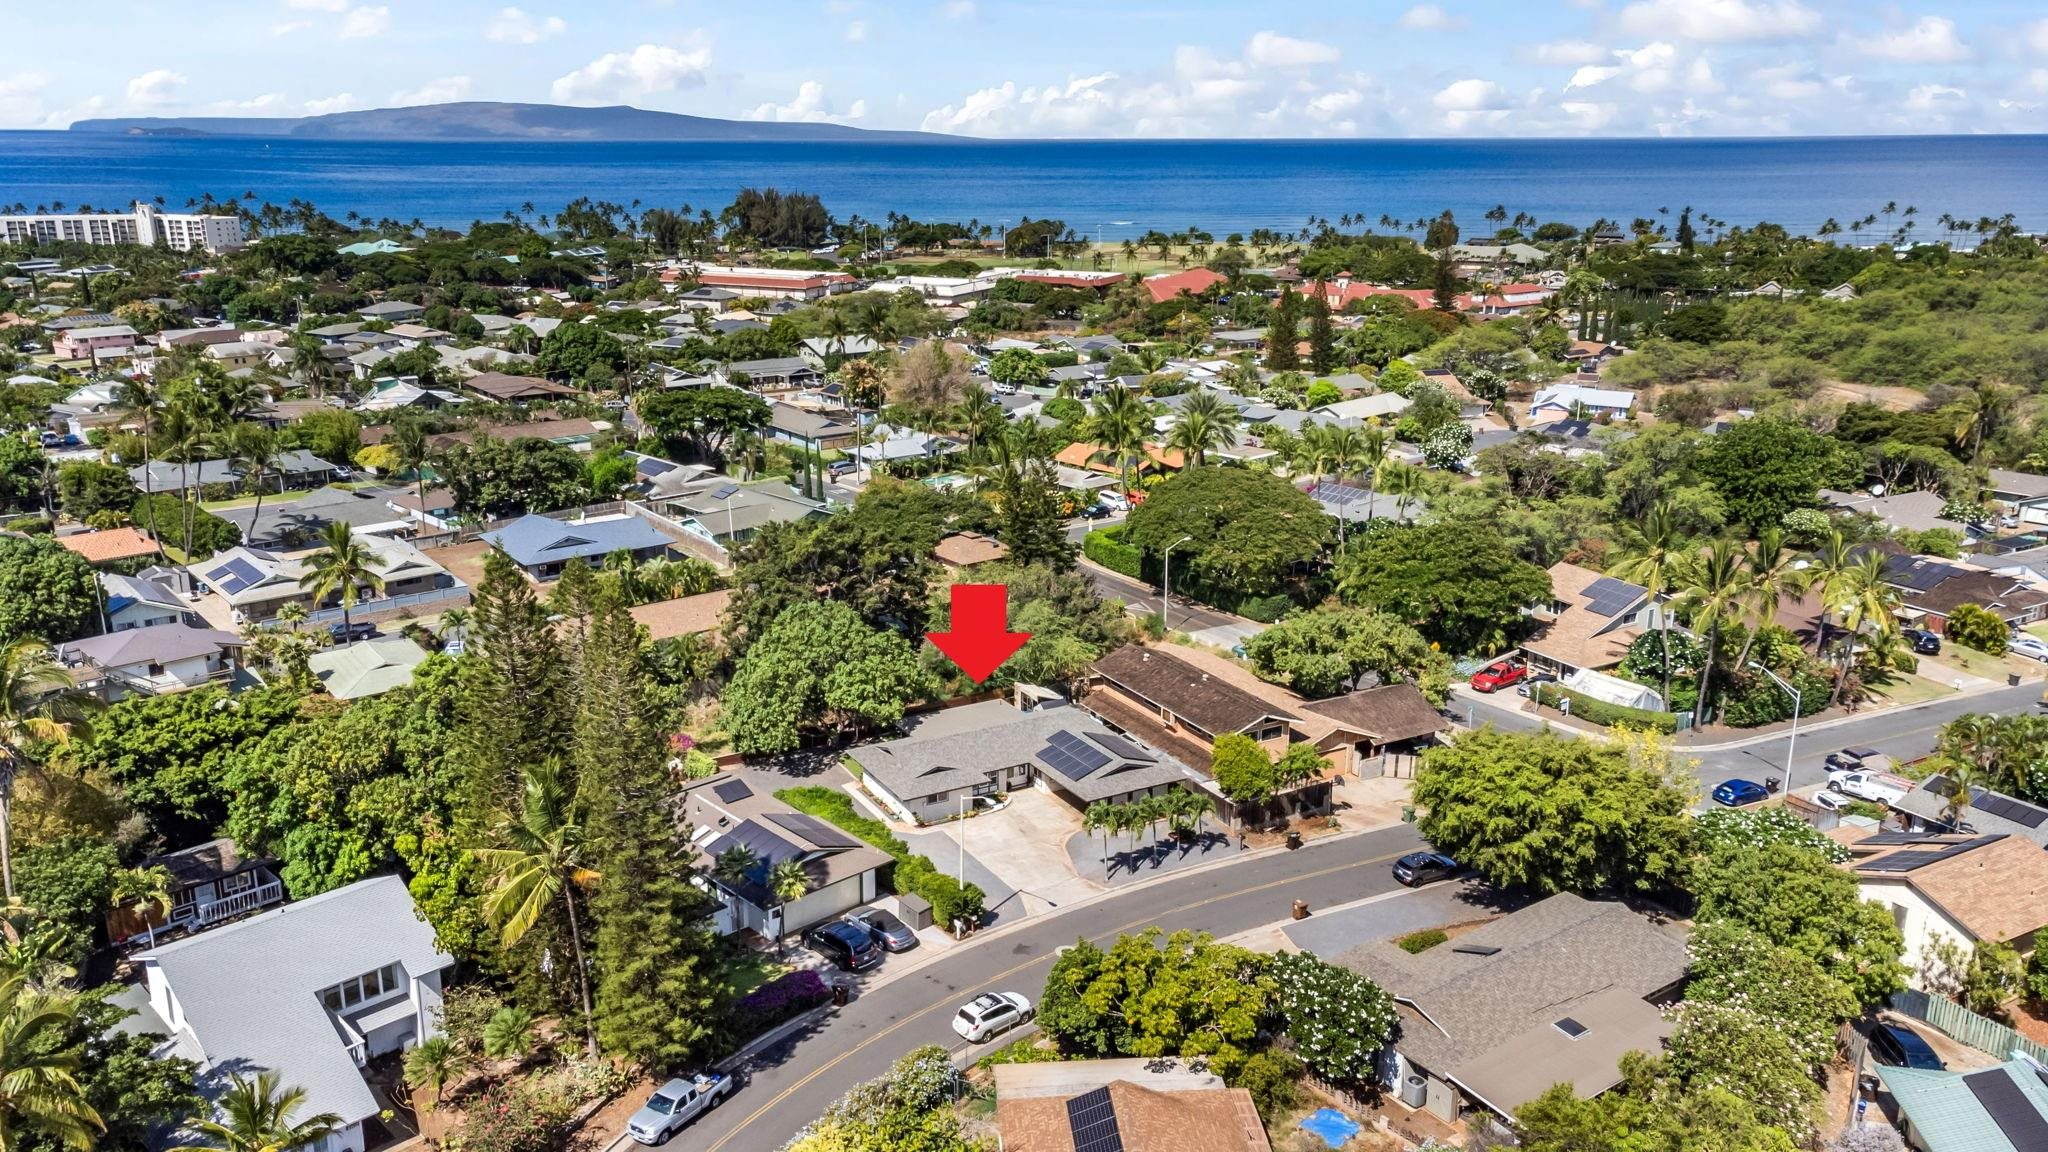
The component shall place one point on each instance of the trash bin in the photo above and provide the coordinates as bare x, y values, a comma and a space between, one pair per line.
2013, 678
1293, 839
1407, 813
1301, 909
839, 995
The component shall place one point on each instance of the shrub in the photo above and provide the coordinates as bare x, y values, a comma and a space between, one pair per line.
1105, 546
1602, 713
1242, 769
1974, 626
1025, 1051
1421, 941
782, 998
1273, 1078
1336, 1019
505, 1117
1266, 609
210, 533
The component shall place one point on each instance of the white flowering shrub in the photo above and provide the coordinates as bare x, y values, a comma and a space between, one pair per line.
1336, 1018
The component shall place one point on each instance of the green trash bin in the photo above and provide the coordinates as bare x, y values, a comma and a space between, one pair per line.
1407, 813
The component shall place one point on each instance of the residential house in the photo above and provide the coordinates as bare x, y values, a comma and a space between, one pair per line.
1900, 511
841, 872
211, 883
542, 545
1098, 282
699, 615
1589, 355
150, 661
171, 338
1164, 286
236, 354
391, 311
1999, 1109
962, 551
515, 389
312, 991
129, 602
1505, 300
954, 757
1580, 402
1382, 406
889, 444
774, 374
817, 350
109, 340
1132, 1105
1348, 505
1238, 339
418, 335
257, 582
296, 468
110, 545
1589, 623
1932, 807
1954, 887
1478, 259
806, 428
772, 283
2024, 494
380, 247
1556, 992
1932, 590
336, 333
369, 667
1842, 291
288, 524
1089, 457
723, 512
702, 299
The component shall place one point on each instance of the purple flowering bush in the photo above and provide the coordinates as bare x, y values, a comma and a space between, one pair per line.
778, 1000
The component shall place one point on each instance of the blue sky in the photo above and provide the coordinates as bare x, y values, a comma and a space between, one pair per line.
1061, 68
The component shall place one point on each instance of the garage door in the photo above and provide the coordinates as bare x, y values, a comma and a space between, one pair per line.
832, 900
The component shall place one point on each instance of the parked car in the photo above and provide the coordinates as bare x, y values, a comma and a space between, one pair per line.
1849, 759
2032, 647
1865, 784
991, 1014
1735, 793
1114, 501
1498, 675
1831, 800
845, 945
841, 467
1924, 642
354, 630
1419, 868
675, 1104
1901, 1047
882, 926
1096, 512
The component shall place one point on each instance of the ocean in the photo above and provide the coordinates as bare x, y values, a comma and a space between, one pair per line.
1104, 189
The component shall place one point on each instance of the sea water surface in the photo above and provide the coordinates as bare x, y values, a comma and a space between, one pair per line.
1107, 189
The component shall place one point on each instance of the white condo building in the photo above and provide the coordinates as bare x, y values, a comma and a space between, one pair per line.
145, 224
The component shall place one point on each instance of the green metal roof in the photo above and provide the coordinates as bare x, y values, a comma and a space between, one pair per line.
1948, 1116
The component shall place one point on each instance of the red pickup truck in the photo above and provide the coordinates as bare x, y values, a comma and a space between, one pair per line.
1499, 674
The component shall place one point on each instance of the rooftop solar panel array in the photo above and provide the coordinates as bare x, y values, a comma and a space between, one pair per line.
235, 576
770, 848
1330, 493
1071, 756
649, 466
1610, 597
2005, 807
1091, 1118
2009, 1107
1922, 857
1119, 746
732, 791
814, 830
1917, 575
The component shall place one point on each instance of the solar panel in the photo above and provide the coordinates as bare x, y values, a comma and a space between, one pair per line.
2005, 807
813, 829
772, 849
2006, 1103
732, 791
1608, 596
1119, 746
1071, 756
723, 492
1330, 493
648, 466
1091, 1118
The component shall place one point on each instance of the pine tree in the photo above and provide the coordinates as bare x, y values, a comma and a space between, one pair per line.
1029, 522
656, 999
1686, 236
513, 683
1322, 337
1281, 334
570, 602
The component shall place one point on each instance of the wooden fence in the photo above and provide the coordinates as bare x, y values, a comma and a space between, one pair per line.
1965, 1026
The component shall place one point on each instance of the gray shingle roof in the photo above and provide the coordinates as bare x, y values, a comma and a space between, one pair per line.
250, 990
533, 540
159, 645
962, 747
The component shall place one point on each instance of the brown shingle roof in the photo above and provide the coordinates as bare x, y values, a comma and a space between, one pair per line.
966, 549
1389, 714
2002, 595
1997, 890
1576, 637
1161, 677
110, 544
503, 386
1176, 1119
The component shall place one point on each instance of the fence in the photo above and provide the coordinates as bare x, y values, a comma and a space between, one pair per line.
1965, 1026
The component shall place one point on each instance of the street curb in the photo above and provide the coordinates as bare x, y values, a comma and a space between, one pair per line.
727, 1064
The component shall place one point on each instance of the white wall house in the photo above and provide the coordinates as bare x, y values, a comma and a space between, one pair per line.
1960, 888
312, 990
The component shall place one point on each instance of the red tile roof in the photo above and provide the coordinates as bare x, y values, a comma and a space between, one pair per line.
110, 544
1073, 279
1168, 285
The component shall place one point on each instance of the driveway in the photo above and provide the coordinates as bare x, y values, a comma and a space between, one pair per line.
1022, 846
1333, 933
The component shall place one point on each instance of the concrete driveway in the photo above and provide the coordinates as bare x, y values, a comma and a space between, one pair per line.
1024, 845
1387, 915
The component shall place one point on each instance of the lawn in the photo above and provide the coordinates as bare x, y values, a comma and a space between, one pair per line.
1912, 690
742, 972
1974, 663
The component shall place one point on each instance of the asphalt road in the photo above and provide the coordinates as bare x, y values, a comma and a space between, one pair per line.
1143, 598
791, 1083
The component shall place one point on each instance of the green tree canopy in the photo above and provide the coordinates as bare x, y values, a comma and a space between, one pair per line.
47, 591
1242, 769
703, 420
819, 664
493, 479
1462, 589
1765, 467
1246, 530
1153, 994
1325, 651
572, 350
1795, 898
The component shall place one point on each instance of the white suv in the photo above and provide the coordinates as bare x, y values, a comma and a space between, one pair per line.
986, 1016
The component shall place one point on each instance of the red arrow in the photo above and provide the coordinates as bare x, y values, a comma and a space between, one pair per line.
981, 638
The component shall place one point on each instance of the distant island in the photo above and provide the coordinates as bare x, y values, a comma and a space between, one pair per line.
487, 120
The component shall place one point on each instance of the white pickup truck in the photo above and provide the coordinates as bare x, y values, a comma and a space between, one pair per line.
1864, 784
675, 1104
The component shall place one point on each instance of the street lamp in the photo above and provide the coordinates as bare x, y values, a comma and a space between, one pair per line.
725, 493
1792, 739
1166, 581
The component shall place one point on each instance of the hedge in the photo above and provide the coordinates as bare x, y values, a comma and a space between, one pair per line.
913, 873
1105, 546
1604, 714
780, 999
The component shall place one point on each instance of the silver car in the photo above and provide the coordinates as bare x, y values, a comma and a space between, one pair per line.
675, 1104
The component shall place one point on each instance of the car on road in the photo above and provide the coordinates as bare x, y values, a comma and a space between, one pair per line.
1736, 793
1419, 868
991, 1014
1498, 675
852, 948
1850, 759
882, 926
1924, 642
2032, 647
356, 630
1097, 512
1901, 1047
674, 1105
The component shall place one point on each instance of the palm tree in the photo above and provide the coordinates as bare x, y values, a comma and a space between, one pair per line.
1099, 818
539, 864
1117, 425
1825, 569
308, 364
39, 1089
1715, 584
251, 450
978, 415
255, 1115
40, 706
1861, 598
431, 1064
182, 435
342, 565
735, 864
1773, 576
787, 883
408, 440
1655, 563
1206, 424
148, 889
135, 399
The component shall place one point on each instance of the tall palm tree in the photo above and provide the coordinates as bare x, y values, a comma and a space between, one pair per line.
182, 434
308, 364
343, 564
1206, 424
1099, 818
1824, 570
408, 440
251, 450
539, 864
735, 864
39, 1089
1774, 575
40, 706
1861, 598
137, 400
1117, 424
255, 1114
787, 883
1715, 584
1655, 563
978, 415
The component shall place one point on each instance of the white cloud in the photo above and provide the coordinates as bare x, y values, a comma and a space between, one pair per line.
443, 91
1931, 40
362, 23
856, 31
1471, 96
628, 76
1430, 18
1591, 75
263, 103
21, 98
1933, 97
517, 26
2037, 36
335, 6
290, 26
1272, 50
809, 107
958, 9
1332, 104
1566, 53
1787, 82
2038, 79
340, 102
1719, 20
155, 87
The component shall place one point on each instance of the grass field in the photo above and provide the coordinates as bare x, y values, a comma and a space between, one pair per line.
1974, 663
1912, 690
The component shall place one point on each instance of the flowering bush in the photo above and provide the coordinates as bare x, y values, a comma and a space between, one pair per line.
778, 1000
1337, 1019
506, 1117
1727, 830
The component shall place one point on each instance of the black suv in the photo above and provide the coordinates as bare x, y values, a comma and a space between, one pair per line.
845, 945
354, 630
1902, 1047
1924, 642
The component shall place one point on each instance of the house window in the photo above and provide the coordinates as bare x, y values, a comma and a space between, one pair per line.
985, 788
237, 882
369, 986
